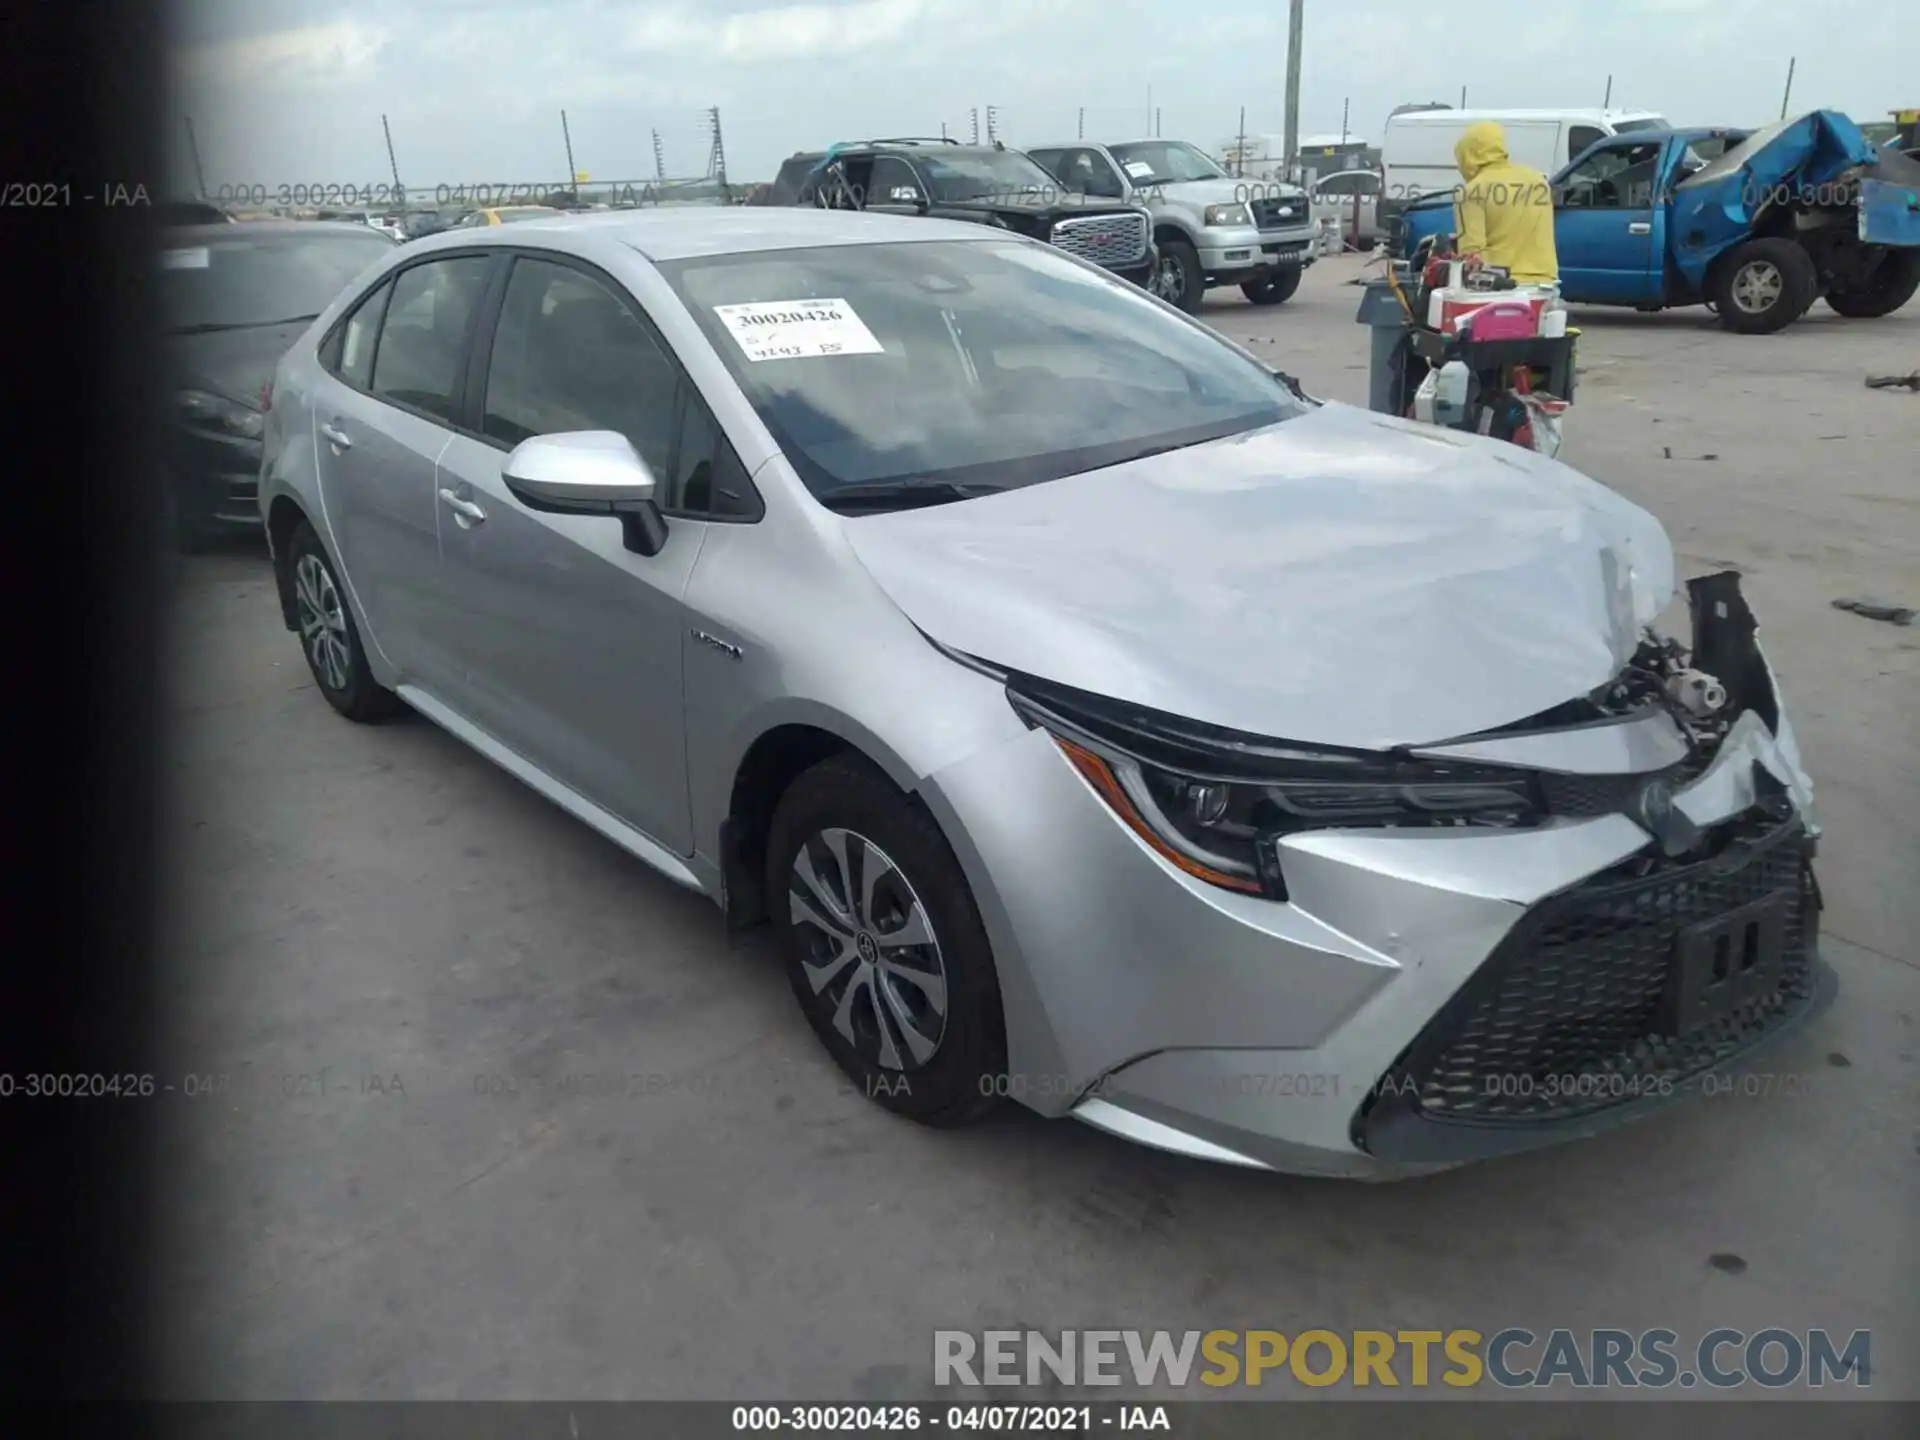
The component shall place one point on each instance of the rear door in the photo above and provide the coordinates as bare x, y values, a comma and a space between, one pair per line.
381, 418
573, 643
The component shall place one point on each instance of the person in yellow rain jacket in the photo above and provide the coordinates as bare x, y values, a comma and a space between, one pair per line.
1503, 215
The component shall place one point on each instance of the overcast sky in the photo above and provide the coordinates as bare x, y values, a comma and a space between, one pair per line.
284, 91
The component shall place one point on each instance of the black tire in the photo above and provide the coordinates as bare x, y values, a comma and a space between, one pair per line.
1274, 289
963, 1078
1893, 285
1792, 286
353, 691
1178, 278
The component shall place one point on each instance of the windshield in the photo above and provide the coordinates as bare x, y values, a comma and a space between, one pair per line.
1166, 162
972, 174
256, 279
993, 363
1653, 122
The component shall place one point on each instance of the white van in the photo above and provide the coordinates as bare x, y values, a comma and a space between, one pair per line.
1417, 155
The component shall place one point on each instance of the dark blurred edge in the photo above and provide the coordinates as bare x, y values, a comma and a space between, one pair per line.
81, 665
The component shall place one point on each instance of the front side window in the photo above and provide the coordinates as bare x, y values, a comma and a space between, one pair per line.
1085, 171
1619, 177
259, 278
973, 174
989, 362
571, 354
418, 358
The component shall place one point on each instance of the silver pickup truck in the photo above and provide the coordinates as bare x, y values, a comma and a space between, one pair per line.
1210, 228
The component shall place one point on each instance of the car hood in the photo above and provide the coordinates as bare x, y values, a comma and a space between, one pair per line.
1215, 192
233, 364
1343, 578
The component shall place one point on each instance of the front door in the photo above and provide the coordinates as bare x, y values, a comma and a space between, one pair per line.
1606, 223
573, 643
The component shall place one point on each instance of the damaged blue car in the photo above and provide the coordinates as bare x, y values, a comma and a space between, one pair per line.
1757, 225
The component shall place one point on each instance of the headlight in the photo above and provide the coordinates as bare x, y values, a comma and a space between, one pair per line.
1228, 215
1221, 821
211, 412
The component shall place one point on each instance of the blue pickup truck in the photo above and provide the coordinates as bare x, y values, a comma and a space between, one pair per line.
1755, 224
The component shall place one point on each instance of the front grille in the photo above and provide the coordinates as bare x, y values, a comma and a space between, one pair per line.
1118, 239
1581, 797
1573, 1012
1280, 214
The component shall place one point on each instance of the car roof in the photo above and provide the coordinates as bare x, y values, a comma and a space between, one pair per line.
229, 230
1575, 113
691, 231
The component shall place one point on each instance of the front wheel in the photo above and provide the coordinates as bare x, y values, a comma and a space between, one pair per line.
1891, 285
1763, 286
1274, 289
884, 946
1177, 277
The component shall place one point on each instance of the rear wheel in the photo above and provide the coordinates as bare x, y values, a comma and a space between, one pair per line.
1763, 286
884, 947
1274, 289
328, 636
1177, 277
1891, 285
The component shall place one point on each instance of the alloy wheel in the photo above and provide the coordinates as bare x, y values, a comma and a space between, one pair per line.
323, 622
869, 949
1757, 288
1169, 280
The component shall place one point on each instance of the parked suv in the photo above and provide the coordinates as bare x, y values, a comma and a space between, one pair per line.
1209, 228
988, 184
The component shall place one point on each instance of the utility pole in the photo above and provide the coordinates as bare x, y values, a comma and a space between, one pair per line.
1346, 113
1156, 122
943, 129
393, 165
1463, 97
573, 175
1789, 91
973, 124
659, 160
1240, 149
1609, 100
717, 161
993, 124
193, 148
1296, 25
1081, 133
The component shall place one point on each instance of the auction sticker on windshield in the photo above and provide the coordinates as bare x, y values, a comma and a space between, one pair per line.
796, 329
1139, 169
195, 259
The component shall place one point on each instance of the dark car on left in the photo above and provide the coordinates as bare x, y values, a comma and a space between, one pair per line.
233, 297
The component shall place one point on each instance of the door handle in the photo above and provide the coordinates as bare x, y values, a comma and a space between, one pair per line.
1640, 227
466, 514
337, 437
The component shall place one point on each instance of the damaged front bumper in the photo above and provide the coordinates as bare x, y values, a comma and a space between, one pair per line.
1420, 998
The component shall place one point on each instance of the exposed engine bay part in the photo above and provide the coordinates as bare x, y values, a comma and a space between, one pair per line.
1697, 692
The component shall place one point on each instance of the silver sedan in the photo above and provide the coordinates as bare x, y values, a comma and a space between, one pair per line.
1099, 721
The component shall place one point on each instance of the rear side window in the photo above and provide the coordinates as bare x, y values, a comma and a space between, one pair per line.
570, 354
418, 359
350, 354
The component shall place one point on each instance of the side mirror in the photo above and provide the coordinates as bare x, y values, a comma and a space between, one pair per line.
589, 472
